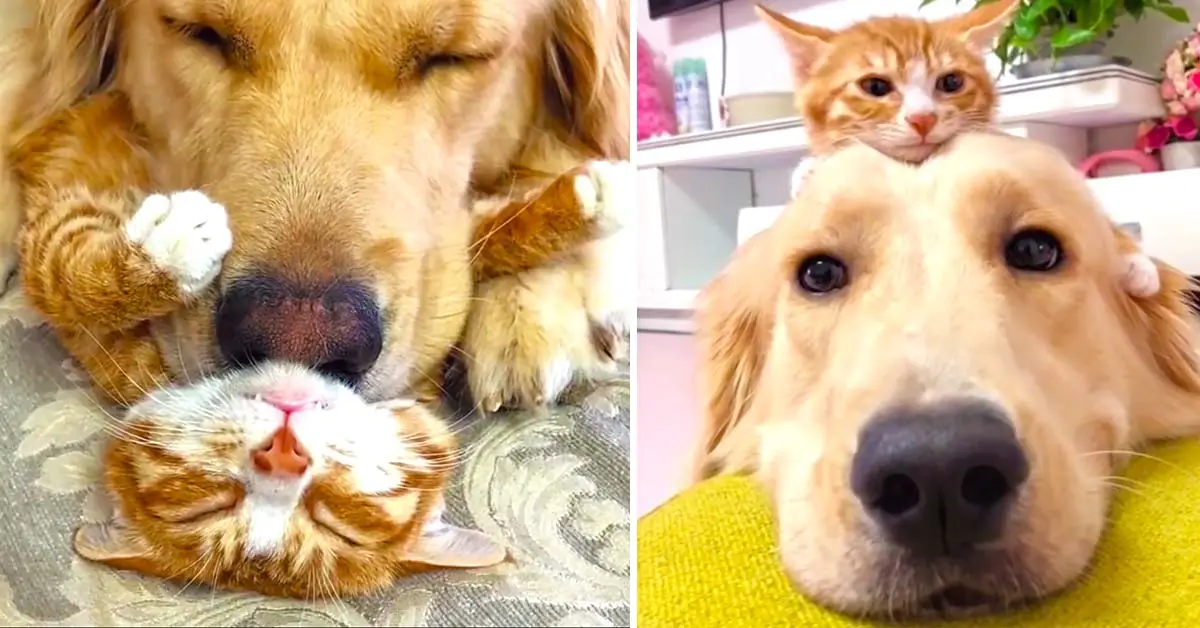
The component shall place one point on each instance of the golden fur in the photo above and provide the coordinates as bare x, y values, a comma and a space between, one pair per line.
327, 173
930, 313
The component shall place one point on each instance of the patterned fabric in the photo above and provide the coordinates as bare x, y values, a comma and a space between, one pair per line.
554, 487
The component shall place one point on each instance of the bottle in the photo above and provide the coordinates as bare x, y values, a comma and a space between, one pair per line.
682, 111
699, 110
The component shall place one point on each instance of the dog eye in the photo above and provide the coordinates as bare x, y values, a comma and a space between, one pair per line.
821, 274
950, 82
206, 36
437, 62
875, 86
1033, 250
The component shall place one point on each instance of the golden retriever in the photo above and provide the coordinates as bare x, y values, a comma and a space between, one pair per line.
344, 141
933, 375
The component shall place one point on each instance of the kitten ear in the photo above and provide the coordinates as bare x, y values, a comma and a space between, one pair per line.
447, 545
113, 544
804, 44
980, 26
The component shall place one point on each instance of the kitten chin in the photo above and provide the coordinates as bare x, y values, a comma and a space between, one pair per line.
283, 482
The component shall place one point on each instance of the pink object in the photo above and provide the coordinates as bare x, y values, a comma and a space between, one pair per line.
1145, 163
655, 97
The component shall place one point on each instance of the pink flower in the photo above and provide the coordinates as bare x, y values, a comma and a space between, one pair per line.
1193, 80
1168, 91
1173, 67
1184, 127
1176, 108
1191, 102
1155, 138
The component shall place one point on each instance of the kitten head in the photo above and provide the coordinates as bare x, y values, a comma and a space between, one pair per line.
902, 85
280, 481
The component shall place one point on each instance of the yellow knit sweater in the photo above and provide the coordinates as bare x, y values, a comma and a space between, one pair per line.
708, 558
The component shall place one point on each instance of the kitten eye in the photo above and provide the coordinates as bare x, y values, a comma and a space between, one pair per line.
1033, 250
950, 82
821, 274
875, 86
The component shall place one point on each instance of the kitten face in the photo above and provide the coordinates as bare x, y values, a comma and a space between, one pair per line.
902, 85
280, 481
903, 95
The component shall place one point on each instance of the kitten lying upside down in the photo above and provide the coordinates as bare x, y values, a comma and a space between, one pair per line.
905, 86
280, 481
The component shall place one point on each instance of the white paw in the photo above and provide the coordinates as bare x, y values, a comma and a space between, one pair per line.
799, 176
186, 234
1141, 276
606, 194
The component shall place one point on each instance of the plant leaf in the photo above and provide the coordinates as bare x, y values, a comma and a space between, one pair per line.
1071, 36
1175, 14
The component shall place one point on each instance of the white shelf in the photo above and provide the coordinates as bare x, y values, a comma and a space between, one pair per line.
1097, 97
1170, 229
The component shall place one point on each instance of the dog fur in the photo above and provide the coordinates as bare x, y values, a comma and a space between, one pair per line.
931, 312
315, 127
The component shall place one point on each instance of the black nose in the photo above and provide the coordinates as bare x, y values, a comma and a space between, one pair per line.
939, 479
334, 328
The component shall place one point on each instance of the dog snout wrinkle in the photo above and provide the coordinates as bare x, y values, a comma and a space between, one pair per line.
335, 328
939, 479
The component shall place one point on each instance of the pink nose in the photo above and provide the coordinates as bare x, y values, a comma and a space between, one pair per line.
288, 401
922, 123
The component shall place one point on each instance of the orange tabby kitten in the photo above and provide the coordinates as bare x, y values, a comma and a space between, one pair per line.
104, 260
905, 86
280, 481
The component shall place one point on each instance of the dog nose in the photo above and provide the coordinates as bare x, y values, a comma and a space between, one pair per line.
334, 328
939, 479
922, 123
282, 455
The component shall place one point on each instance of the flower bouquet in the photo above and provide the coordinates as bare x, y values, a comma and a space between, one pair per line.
1174, 136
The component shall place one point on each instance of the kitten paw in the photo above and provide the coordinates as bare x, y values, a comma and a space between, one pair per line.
799, 176
606, 192
186, 234
1141, 276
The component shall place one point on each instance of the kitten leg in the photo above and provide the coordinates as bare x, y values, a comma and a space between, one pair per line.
529, 337
98, 260
512, 235
800, 175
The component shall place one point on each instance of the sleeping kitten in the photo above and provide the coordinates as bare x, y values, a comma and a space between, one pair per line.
905, 86
280, 481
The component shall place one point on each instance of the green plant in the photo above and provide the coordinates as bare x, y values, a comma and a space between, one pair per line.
1064, 24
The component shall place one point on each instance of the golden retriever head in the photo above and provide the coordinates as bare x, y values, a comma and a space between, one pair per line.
935, 374
341, 138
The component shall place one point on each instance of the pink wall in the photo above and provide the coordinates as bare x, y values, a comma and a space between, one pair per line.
666, 416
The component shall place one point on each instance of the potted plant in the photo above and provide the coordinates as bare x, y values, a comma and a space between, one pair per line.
1047, 36
1175, 135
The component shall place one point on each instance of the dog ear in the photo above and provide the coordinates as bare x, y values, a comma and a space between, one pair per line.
74, 43
733, 322
1172, 325
586, 74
